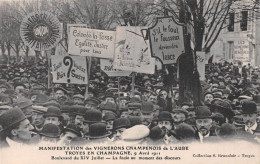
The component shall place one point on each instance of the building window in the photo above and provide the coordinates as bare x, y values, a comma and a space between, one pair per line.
243, 24
230, 50
231, 22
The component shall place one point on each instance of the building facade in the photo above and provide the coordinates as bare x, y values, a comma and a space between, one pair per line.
239, 40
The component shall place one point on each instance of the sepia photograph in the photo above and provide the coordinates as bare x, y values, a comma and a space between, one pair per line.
132, 81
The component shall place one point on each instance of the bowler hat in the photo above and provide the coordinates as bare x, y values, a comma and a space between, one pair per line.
39, 109
249, 107
226, 129
109, 106
98, 130
203, 112
184, 131
47, 104
121, 123
109, 117
65, 109
180, 110
93, 101
72, 128
11, 117
135, 120
134, 105
164, 116
78, 96
50, 130
79, 110
156, 133
92, 116
147, 107
23, 103
53, 111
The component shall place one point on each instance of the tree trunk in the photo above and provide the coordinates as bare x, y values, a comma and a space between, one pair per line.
8, 47
26, 51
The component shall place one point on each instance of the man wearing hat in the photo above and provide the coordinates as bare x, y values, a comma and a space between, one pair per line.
147, 113
92, 103
59, 92
179, 115
78, 99
79, 113
53, 115
69, 133
50, 134
37, 117
90, 117
107, 107
134, 109
119, 126
98, 133
109, 119
249, 115
165, 123
203, 122
25, 105
15, 128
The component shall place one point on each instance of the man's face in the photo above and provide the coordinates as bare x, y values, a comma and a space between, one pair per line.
109, 125
23, 133
134, 112
249, 119
117, 133
124, 114
79, 120
204, 125
153, 99
2, 90
67, 137
37, 119
52, 120
84, 127
77, 100
146, 118
66, 118
178, 117
208, 98
123, 87
165, 125
18, 89
110, 99
90, 106
122, 102
225, 96
164, 94
59, 94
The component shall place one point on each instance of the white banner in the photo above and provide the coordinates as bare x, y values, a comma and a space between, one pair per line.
241, 50
132, 52
69, 69
91, 42
201, 64
106, 65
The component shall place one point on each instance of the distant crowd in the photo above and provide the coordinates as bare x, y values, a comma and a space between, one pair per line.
112, 110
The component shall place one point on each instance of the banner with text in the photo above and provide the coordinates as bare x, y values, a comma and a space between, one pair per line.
132, 52
106, 65
241, 50
166, 40
91, 42
69, 69
201, 64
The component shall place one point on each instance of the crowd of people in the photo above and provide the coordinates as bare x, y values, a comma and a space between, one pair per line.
119, 111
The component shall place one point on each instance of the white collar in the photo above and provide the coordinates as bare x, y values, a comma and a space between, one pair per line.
202, 137
250, 129
13, 143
